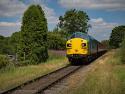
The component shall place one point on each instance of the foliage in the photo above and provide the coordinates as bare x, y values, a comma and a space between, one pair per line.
8, 45
5, 47
19, 75
3, 61
105, 43
122, 52
73, 21
33, 40
56, 41
117, 35
14, 41
103, 78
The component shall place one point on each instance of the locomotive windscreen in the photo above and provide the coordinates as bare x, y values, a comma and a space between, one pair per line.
79, 35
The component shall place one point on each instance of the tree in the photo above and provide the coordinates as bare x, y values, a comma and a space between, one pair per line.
105, 43
14, 41
73, 21
5, 46
56, 41
33, 38
117, 36
8, 45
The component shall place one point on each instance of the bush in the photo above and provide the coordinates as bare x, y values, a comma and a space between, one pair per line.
122, 51
4, 61
33, 36
56, 41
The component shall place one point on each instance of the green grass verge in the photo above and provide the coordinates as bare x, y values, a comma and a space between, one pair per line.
120, 72
14, 76
107, 77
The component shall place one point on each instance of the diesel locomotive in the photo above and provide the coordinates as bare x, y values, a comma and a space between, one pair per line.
82, 48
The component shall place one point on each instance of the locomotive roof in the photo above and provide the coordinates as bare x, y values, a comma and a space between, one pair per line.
82, 35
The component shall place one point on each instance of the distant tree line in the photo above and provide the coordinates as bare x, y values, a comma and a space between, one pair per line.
8, 45
105, 43
117, 36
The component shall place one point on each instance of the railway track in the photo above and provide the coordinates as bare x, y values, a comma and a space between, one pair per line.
42, 83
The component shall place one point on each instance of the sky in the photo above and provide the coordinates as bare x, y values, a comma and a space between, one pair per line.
104, 14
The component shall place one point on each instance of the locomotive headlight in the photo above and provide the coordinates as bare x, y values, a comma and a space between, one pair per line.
83, 45
69, 45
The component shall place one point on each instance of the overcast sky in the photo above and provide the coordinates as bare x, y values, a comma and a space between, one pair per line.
104, 14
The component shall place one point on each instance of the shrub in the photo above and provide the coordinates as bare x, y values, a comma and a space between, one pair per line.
33, 36
4, 61
56, 41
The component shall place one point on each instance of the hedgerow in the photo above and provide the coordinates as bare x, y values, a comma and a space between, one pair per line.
4, 61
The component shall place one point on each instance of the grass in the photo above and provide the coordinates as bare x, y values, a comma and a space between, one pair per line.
17, 75
106, 77
120, 72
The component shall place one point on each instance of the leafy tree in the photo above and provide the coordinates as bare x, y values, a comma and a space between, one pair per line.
8, 45
33, 40
105, 43
4, 61
56, 41
5, 46
2, 44
117, 35
73, 21
14, 41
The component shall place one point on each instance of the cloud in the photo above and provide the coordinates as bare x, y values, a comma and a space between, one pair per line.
12, 8
7, 28
9, 8
10, 24
50, 15
100, 23
101, 29
94, 4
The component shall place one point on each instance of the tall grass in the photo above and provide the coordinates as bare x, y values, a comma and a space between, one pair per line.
4, 61
107, 77
101, 81
11, 75
18, 75
122, 52
53, 54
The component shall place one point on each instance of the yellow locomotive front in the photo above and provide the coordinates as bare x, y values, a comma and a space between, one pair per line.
77, 48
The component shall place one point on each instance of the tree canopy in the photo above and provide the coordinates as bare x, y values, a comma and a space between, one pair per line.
105, 43
8, 45
117, 36
5, 48
74, 21
33, 40
56, 40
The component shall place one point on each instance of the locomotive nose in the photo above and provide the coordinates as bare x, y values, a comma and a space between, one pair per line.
76, 50
76, 46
